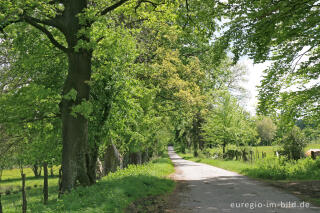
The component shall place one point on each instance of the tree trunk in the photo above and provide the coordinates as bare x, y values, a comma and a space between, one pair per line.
195, 148
24, 197
36, 170
45, 183
51, 171
75, 153
196, 132
92, 163
112, 159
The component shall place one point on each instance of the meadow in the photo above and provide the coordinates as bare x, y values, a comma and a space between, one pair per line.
112, 193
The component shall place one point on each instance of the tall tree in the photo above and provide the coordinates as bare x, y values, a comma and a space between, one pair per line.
226, 123
69, 26
266, 129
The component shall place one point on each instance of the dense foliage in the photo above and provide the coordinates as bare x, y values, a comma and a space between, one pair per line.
87, 84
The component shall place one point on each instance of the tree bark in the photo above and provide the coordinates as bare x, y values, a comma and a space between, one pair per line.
112, 159
45, 183
75, 152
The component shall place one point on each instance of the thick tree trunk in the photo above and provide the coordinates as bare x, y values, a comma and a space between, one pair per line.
112, 159
76, 158
135, 158
45, 183
92, 163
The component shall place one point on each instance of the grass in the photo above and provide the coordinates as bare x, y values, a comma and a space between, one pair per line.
112, 193
11, 180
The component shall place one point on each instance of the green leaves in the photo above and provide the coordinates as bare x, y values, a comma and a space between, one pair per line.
287, 34
227, 123
71, 95
85, 109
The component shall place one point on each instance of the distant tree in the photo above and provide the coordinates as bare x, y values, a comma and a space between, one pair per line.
227, 123
266, 130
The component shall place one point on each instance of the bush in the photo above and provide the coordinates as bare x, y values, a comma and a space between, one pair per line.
281, 169
294, 143
213, 152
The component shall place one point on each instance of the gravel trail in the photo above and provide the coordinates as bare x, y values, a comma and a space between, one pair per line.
211, 189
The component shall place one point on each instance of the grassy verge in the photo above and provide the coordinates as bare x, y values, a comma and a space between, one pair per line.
268, 168
112, 193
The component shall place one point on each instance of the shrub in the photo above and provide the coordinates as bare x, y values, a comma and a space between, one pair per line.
213, 152
281, 169
293, 143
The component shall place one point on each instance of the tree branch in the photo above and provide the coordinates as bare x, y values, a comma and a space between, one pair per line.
6, 23
146, 1
113, 7
32, 22
45, 22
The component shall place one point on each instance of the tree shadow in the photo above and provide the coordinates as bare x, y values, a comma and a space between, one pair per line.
236, 194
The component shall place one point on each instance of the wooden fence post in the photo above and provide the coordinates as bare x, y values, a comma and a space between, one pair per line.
313, 155
0, 192
60, 182
0, 205
24, 197
45, 183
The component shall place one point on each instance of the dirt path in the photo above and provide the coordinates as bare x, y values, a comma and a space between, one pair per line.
211, 189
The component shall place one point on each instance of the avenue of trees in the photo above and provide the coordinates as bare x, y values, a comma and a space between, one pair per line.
117, 81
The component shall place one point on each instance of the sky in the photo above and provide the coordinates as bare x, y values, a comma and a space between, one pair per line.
254, 76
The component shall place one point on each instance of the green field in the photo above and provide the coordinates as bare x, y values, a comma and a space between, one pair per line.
112, 193
268, 150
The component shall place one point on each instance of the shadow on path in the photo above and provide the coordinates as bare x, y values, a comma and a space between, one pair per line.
210, 189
